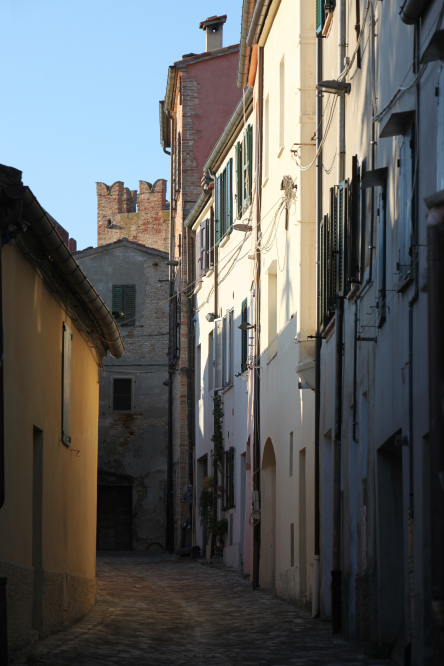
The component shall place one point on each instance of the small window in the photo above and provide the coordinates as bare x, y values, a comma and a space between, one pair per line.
224, 202
124, 300
122, 394
244, 171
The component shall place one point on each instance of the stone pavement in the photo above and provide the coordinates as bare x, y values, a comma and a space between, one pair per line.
155, 609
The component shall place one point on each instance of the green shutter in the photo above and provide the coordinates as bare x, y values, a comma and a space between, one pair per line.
322, 273
320, 16
117, 298
342, 237
66, 385
218, 208
249, 161
244, 350
129, 304
229, 196
239, 178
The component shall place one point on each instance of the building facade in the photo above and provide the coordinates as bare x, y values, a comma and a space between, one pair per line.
132, 278
200, 97
57, 331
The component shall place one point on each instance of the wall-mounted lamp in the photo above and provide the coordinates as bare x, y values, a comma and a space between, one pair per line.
172, 262
334, 87
118, 315
245, 326
242, 227
210, 317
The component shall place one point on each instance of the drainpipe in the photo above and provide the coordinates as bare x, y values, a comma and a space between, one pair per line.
169, 540
256, 372
336, 574
355, 355
317, 525
435, 289
190, 363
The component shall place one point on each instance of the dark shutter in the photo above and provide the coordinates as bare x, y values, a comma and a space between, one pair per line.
249, 162
66, 385
354, 269
114, 517
212, 237
198, 253
207, 244
117, 298
239, 178
218, 209
319, 15
203, 247
122, 398
231, 477
129, 304
244, 350
173, 329
342, 237
323, 272
332, 253
229, 195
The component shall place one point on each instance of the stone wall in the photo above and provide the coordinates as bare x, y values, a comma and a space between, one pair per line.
138, 216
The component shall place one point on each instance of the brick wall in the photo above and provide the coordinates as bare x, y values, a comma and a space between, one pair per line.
138, 216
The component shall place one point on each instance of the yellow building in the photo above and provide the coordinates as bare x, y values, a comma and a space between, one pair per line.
56, 332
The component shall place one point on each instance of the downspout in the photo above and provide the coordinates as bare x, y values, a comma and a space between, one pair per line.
190, 364
244, 49
435, 288
317, 523
412, 10
169, 545
336, 574
256, 373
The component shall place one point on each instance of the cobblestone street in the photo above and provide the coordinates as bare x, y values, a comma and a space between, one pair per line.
155, 609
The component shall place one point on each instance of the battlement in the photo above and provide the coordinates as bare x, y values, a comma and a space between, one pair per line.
136, 215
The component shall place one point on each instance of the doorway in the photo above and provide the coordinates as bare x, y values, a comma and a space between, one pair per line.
114, 517
268, 517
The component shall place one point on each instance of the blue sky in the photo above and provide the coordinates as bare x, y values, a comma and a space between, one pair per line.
80, 87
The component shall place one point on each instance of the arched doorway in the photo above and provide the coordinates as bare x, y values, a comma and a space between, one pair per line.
268, 517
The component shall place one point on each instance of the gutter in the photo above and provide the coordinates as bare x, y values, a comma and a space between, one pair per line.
197, 209
170, 88
257, 21
412, 10
165, 138
244, 49
43, 227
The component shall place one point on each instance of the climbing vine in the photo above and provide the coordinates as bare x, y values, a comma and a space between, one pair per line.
205, 503
217, 438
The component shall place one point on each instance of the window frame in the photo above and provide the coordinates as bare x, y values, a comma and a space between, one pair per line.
111, 399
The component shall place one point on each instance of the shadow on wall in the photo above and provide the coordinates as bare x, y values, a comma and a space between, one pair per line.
268, 517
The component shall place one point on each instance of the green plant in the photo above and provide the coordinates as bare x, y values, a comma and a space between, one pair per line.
217, 438
207, 482
218, 528
205, 505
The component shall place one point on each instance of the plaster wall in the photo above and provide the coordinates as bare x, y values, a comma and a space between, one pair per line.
133, 447
289, 60
33, 374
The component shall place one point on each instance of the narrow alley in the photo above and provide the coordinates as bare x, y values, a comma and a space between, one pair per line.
157, 609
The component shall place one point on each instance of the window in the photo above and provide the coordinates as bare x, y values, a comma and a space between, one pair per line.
218, 376
229, 368
198, 372
210, 360
319, 16
244, 347
281, 106
267, 139
203, 243
291, 455
122, 394
66, 385
405, 195
292, 545
228, 479
124, 300
178, 173
224, 202
272, 315
342, 237
244, 170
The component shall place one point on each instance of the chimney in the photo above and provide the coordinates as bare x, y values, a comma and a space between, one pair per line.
213, 27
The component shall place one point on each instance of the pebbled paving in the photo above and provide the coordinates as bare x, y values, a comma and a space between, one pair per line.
156, 609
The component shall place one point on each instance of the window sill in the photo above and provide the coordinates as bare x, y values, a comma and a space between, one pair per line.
272, 358
329, 329
226, 389
224, 240
265, 182
198, 288
280, 151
